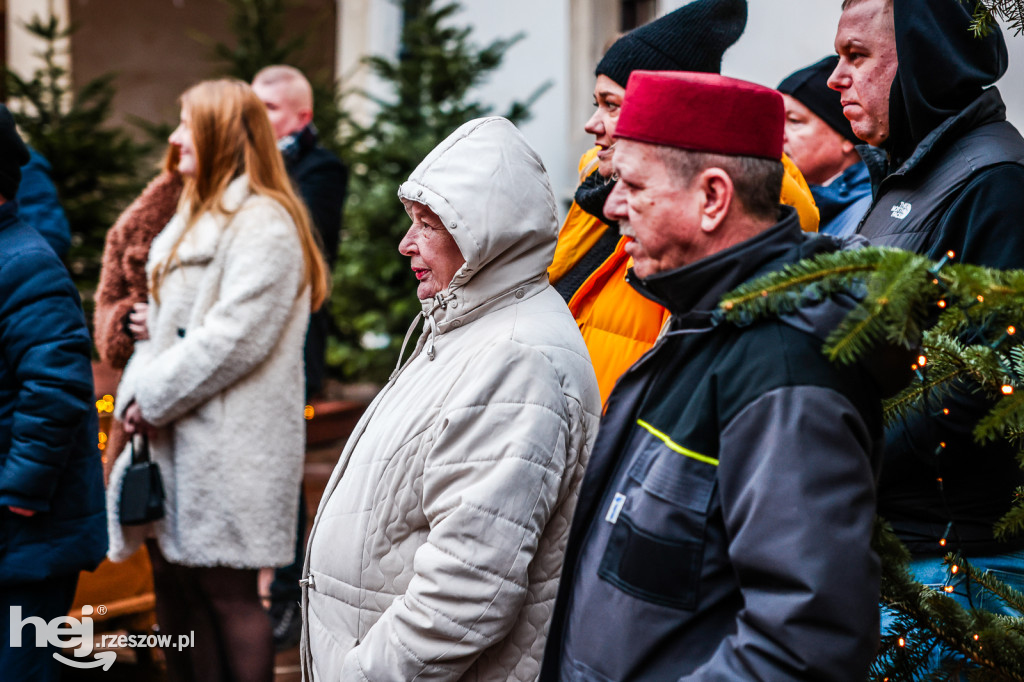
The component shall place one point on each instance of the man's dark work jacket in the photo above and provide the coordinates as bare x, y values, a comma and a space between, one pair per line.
322, 181
723, 527
953, 181
49, 459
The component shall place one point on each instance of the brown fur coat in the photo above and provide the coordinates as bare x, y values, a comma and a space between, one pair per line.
123, 276
123, 280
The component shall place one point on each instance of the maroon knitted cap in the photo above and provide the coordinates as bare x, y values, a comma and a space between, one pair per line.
702, 112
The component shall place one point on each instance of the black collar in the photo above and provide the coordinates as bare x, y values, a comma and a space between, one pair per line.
697, 287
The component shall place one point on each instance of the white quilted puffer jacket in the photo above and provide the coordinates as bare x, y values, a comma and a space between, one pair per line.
437, 547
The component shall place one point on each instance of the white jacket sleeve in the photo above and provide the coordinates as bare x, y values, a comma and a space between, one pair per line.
490, 483
262, 274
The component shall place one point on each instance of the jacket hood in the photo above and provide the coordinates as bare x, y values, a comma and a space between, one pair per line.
492, 192
942, 68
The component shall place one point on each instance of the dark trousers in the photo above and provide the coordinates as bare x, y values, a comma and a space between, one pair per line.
285, 586
47, 600
220, 609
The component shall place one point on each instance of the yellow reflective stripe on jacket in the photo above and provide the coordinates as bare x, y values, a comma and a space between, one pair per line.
676, 447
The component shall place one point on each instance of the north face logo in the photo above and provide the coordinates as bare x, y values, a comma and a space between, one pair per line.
902, 211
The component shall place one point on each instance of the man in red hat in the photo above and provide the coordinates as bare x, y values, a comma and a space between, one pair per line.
723, 527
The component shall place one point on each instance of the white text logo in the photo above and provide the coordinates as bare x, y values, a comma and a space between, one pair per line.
901, 211
66, 632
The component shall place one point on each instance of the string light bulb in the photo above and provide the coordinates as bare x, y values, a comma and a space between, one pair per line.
902, 642
945, 411
948, 589
941, 304
308, 412
1007, 389
1011, 330
922, 360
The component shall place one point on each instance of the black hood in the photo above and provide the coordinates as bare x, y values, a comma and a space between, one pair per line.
943, 67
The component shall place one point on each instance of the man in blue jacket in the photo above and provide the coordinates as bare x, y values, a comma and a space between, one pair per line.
39, 205
51, 478
821, 143
724, 522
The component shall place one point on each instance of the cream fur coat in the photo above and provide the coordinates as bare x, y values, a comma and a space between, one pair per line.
222, 376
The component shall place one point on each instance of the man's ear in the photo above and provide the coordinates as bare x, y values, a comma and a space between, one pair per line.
717, 193
305, 116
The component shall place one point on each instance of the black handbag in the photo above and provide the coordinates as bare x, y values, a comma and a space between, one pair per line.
142, 490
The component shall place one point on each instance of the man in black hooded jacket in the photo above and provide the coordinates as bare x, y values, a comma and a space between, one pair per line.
948, 175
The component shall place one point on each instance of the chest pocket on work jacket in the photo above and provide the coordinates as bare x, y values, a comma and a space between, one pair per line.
656, 547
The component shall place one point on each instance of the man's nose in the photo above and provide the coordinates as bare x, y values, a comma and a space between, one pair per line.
838, 80
615, 204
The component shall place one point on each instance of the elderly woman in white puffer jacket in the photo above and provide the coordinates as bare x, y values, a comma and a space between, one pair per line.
437, 547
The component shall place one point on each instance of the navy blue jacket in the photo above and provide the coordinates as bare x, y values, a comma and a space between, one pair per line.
843, 202
39, 206
723, 526
49, 460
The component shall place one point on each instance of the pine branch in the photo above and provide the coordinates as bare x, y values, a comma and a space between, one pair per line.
913, 397
1012, 524
1012, 598
783, 291
1006, 416
986, 13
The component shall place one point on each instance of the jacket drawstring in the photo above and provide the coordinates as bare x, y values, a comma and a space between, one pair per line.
440, 301
405, 342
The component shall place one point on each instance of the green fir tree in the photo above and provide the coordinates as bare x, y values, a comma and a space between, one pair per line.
95, 164
258, 27
963, 322
373, 300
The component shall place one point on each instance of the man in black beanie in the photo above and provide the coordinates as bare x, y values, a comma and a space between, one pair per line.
52, 519
821, 143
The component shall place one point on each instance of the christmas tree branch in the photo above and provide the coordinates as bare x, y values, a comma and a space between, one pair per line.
1013, 598
1012, 524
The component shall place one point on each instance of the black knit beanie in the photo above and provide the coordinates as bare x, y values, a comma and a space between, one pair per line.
13, 155
809, 87
692, 38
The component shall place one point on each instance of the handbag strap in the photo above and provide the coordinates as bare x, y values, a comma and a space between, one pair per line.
140, 454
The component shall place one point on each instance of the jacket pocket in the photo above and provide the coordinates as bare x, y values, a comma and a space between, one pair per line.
655, 551
653, 568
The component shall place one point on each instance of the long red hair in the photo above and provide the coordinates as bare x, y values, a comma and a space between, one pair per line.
232, 136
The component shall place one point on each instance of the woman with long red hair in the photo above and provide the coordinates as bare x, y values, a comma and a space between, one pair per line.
218, 384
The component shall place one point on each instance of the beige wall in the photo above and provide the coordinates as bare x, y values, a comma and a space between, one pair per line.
156, 47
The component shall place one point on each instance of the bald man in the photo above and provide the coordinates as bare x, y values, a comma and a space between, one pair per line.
322, 181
